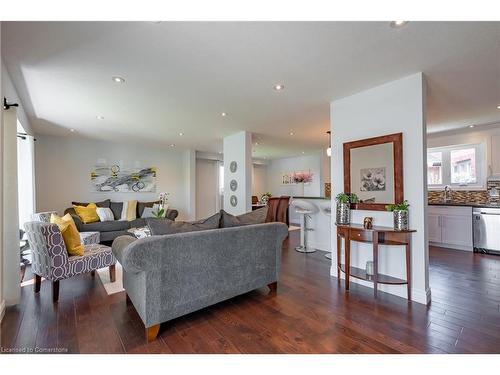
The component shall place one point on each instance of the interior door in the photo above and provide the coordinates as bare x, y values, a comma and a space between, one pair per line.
207, 188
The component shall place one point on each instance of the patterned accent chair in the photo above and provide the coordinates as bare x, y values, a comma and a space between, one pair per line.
50, 258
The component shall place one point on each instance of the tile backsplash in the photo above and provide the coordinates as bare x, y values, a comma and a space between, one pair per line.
460, 196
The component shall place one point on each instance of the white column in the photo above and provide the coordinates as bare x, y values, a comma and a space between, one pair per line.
10, 225
2, 300
238, 149
190, 179
394, 107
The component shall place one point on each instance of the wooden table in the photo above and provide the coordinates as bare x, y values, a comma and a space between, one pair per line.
377, 236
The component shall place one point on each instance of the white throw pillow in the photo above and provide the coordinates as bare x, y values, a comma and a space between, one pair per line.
105, 214
148, 212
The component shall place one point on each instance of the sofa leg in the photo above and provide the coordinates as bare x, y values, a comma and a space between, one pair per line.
112, 273
55, 291
92, 273
38, 282
152, 332
273, 287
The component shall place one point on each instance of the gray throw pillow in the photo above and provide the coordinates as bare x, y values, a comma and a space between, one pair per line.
160, 227
255, 217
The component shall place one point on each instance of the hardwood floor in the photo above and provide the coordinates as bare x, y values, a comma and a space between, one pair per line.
310, 313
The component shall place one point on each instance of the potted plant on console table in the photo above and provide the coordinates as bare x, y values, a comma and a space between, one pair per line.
401, 215
344, 202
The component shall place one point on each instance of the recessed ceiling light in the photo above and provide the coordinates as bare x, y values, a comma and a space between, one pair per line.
279, 87
396, 24
303, 152
181, 134
498, 106
292, 133
471, 126
223, 114
99, 117
172, 145
256, 143
72, 130
118, 79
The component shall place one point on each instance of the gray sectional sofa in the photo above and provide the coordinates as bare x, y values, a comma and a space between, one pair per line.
172, 275
109, 230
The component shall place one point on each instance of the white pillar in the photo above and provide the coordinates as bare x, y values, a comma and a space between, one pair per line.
2, 300
238, 149
190, 178
394, 107
10, 225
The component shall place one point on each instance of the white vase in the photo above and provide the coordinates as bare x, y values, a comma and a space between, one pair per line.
301, 189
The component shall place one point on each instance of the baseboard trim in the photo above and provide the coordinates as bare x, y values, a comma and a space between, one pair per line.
452, 247
417, 295
2, 310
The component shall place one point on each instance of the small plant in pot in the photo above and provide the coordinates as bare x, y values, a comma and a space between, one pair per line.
344, 201
401, 215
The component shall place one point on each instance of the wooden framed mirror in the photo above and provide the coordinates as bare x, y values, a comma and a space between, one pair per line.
373, 170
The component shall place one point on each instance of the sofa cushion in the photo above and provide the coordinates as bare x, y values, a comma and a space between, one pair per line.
255, 217
88, 214
160, 227
116, 207
104, 203
137, 223
142, 205
106, 226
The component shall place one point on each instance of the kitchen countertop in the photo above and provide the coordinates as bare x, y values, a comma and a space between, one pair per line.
460, 204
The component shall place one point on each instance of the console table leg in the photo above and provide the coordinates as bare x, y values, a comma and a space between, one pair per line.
338, 257
375, 263
408, 267
347, 247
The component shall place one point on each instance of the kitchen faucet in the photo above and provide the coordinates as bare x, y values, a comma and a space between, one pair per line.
447, 193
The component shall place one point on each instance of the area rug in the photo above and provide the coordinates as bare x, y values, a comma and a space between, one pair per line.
291, 228
117, 286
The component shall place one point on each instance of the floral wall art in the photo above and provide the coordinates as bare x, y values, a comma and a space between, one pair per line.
373, 179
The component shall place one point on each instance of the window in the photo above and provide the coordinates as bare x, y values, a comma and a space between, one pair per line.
459, 166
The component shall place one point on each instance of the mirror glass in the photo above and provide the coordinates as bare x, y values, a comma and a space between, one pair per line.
372, 173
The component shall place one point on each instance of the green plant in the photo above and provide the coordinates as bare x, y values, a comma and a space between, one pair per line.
403, 206
160, 213
347, 198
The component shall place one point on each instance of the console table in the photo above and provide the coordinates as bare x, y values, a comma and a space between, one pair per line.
377, 236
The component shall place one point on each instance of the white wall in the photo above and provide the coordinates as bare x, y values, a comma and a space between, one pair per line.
238, 148
63, 166
10, 221
479, 134
391, 108
2, 300
10, 92
277, 167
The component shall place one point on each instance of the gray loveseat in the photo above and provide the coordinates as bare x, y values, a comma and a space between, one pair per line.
172, 275
109, 230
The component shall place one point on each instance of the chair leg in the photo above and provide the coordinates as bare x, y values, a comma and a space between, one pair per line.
55, 291
273, 287
92, 273
112, 273
152, 332
38, 282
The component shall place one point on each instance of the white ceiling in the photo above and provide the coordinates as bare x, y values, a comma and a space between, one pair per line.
180, 76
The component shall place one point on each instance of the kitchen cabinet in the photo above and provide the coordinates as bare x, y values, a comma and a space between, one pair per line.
450, 227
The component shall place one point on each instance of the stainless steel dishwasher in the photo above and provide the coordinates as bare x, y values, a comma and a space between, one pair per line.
486, 230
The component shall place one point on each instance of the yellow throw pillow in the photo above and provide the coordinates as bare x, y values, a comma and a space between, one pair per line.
87, 214
69, 233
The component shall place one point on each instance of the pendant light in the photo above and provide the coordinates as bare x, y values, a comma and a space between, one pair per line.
329, 149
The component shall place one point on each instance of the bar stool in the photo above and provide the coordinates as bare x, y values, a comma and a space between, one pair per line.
306, 209
327, 210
